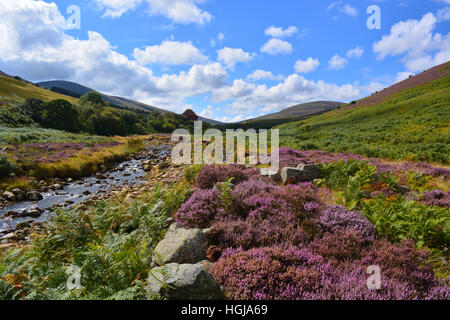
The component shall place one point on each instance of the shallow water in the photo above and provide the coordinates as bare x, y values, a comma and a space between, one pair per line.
126, 173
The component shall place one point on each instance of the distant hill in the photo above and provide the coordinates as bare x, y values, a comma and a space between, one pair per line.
76, 90
301, 110
17, 88
408, 121
294, 113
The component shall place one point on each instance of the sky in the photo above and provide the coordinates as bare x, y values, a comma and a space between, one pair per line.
228, 60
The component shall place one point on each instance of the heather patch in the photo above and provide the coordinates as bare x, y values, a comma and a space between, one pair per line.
285, 242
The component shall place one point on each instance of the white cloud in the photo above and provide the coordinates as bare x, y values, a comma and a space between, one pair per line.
179, 11
207, 113
416, 42
231, 56
42, 51
355, 52
444, 13
294, 89
116, 8
403, 76
238, 118
170, 53
277, 32
218, 40
276, 47
337, 62
343, 8
305, 66
262, 75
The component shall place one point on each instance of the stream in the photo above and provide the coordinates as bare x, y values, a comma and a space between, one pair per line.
128, 173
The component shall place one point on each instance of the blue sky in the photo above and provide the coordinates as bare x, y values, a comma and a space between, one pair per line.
226, 59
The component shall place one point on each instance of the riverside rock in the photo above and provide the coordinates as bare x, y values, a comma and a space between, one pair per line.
181, 246
8, 195
34, 196
303, 173
184, 282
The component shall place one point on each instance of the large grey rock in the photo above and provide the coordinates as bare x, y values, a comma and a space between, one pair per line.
184, 282
303, 173
181, 246
8, 195
34, 196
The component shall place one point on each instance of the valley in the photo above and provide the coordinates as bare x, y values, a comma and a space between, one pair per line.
359, 185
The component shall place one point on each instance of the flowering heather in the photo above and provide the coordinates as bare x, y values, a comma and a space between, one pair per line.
291, 157
293, 273
273, 273
436, 198
200, 210
211, 175
285, 243
336, 218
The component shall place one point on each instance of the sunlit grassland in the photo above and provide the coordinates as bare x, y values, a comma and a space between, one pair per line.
411, 125
15, 90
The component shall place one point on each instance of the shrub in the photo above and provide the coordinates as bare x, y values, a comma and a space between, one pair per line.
436, 198
272, 274
6, 167
201, 209
338, 218
211, 175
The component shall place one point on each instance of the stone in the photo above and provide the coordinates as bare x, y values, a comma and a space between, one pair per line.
22, 225
403, 189
8, 237
303, 173
86, 192
34, 196
274, 175
34, 213
100, 176
8, 195
310, 171
181, 246
56, 186
184, 282
17, 192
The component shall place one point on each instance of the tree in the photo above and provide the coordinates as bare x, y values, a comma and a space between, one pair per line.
61, 115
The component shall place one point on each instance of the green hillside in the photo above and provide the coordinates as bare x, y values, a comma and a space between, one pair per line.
15, 90
412, 124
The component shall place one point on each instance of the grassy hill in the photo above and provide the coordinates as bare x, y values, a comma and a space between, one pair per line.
409, 121
301, 110
294, 113
12, 89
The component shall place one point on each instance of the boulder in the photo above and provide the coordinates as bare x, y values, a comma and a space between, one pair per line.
56, 186
270, 173
34, 213
34, 196
303, 173
17, 192
184, 282
8, 195
181, 246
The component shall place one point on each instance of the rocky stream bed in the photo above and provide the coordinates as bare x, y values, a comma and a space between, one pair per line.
21, 211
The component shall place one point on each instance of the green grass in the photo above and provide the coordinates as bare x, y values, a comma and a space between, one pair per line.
111, 242
9, 135
410, 125
15, 90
